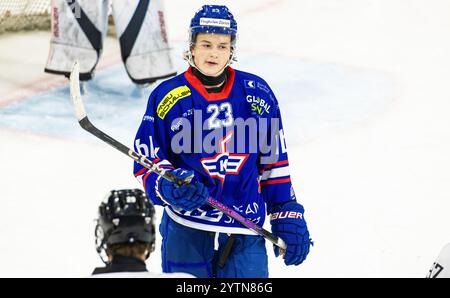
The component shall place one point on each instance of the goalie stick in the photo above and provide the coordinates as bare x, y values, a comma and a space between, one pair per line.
86, 124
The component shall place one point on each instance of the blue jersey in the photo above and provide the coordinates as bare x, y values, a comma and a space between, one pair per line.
232, 140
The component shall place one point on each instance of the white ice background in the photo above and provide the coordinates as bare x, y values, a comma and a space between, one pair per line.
363, 91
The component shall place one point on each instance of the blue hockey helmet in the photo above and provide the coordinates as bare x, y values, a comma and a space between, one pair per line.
125, 216
213, 19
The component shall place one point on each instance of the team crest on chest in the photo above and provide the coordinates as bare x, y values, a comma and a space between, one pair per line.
224, 162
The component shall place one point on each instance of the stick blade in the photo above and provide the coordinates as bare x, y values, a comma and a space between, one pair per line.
75, 93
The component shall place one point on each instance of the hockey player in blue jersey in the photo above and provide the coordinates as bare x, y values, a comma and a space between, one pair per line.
223, 127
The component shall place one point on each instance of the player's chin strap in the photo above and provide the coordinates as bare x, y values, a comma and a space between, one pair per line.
187, 55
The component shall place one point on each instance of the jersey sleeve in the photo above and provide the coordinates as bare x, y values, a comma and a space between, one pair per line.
273, 163
152, 141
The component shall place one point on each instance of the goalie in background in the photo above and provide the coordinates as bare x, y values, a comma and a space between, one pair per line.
125, 235
79, 28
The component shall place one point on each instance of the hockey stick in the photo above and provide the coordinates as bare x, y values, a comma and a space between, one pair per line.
88, 126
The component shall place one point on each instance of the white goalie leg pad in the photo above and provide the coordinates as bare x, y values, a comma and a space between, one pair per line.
441, 268
78, 30
144, 44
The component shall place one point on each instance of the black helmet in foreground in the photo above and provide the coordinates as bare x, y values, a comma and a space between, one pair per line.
125, 216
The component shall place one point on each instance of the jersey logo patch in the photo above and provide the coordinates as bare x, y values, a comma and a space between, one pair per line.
249, 84
170, 99
224, 162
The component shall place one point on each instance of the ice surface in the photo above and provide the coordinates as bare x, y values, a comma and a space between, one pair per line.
363, 92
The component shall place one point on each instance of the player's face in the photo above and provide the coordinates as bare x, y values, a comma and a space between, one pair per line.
211, 53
